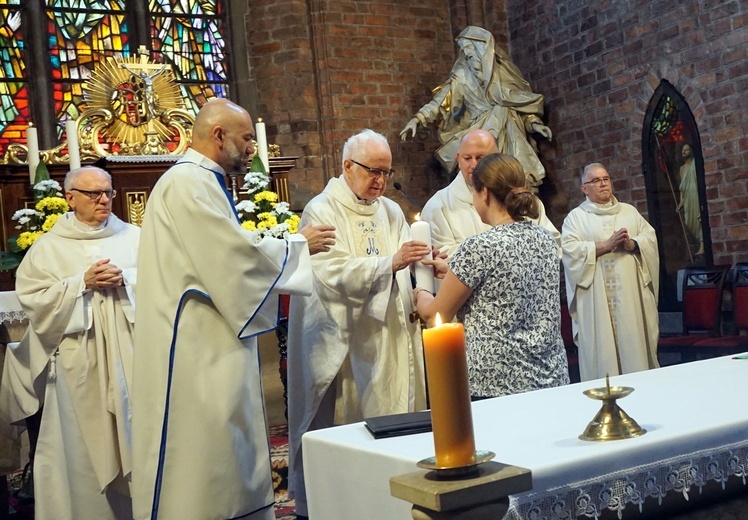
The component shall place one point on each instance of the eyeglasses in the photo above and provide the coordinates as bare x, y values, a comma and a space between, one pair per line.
96, 195
375, 172
599, 181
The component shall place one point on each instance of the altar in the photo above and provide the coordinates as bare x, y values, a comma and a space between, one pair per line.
695, 415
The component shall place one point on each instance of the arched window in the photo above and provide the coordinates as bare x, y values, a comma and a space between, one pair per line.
48, 48
676, 193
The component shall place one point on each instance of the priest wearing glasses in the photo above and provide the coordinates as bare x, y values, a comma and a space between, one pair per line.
76, 285
352, 351
612, 274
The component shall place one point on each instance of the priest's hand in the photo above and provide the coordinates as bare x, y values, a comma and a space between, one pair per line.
319, 238
103, 275
408, 254
617, 239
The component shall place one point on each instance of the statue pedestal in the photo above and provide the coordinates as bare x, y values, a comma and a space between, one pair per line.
479, 497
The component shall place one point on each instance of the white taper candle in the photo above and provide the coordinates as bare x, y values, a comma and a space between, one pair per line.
421, 231
71, 129
262, 144
32, 143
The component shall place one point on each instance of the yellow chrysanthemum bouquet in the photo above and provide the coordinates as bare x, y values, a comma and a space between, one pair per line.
49, 206
261, 211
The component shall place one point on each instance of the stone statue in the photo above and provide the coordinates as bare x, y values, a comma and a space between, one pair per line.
485, 90
689, 197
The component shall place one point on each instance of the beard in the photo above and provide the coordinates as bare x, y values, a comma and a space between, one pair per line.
235, 160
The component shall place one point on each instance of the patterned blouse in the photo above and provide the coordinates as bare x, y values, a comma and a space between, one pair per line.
512, 319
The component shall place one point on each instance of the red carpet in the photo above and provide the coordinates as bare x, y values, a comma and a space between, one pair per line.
284, 507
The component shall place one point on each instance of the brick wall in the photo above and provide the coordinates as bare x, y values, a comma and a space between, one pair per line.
598, 64
326, 69
281, 57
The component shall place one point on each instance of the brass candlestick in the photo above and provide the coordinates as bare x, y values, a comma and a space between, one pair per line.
611, 423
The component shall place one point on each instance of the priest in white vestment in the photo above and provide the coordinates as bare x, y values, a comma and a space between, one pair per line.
76, 286
200, 445
450, 211
353, 352
612, 268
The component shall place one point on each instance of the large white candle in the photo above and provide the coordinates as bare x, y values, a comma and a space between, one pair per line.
262, 144
421, 231
32, 143
71, 129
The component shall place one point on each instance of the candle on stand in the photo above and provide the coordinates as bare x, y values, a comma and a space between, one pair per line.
262, 144
32, 143
449, 394
421, 231
71, 129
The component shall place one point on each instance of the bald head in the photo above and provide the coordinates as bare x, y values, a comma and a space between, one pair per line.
474, 145
223, 132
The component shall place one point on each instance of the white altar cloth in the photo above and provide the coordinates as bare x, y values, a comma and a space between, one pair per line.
10, 308
695, 414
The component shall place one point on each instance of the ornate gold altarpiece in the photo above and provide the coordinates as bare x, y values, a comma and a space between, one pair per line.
135, 126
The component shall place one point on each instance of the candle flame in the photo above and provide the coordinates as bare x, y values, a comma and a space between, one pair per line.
438, 320
418, 216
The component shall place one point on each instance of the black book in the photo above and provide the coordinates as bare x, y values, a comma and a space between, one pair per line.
399, 424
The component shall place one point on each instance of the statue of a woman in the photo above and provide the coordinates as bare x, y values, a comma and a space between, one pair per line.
485, 90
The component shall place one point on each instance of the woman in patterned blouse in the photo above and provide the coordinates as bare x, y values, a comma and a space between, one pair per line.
504, 286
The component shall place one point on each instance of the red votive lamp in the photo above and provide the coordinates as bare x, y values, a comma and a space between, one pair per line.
449, 394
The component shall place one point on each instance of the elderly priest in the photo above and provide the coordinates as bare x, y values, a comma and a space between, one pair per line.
353, 353
76, 286
612, 273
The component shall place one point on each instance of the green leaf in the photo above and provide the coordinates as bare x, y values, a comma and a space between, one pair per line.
9, 260
256, 165
42, 174
13, 245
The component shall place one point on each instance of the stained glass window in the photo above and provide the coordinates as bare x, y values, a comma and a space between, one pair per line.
76, 35
188, 34
81, 34
676, 191
14, 93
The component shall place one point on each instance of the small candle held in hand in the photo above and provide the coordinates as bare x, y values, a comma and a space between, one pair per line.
449, 394
32, 143
421, 231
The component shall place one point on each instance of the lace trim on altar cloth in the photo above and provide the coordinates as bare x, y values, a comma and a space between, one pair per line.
11, 316
616, 491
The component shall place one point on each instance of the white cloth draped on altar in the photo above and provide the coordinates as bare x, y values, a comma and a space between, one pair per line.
697, 432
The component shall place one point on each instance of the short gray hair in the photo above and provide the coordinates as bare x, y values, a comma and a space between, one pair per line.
73, 175
589, 168
357, 142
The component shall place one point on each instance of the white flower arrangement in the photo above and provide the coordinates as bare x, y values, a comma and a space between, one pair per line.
262, 212
33, 223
